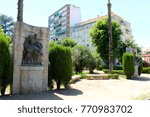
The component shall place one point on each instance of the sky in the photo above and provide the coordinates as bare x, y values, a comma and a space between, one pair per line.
36, 12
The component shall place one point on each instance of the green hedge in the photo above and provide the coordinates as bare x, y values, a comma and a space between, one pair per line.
60, 65
113, 76
146, 70
120, 72
128, 64
101, 67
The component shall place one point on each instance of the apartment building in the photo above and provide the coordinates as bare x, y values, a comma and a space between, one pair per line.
59, 23
80, 32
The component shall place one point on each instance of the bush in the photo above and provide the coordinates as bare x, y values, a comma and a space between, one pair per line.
60, 67
68, 42
101, 67
128, 64
105, 71
6, 67
117, 68
113, 76
119, 72
80, 57
146, 70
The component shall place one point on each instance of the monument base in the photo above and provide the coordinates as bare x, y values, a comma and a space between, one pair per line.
31, 79
135, 75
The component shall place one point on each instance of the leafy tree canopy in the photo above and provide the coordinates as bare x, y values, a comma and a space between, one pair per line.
7, 24
100, 37
69, 42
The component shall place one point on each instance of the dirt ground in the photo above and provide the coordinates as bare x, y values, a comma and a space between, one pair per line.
122, 89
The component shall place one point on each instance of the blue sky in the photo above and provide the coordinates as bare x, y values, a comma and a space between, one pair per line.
137, 12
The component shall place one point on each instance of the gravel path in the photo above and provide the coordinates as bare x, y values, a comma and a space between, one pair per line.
94, 89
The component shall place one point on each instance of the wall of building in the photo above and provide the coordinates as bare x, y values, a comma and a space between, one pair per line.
61, 20
75, 15
80, 32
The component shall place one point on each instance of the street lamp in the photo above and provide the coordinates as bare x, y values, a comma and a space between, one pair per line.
110, 38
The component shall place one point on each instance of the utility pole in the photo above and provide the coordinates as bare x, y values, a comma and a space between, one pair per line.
110, 38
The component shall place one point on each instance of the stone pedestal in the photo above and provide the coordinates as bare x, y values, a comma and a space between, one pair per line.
135, 75
31, 79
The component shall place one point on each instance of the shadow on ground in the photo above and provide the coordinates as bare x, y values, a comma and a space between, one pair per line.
47, 95
142, 78
69, 92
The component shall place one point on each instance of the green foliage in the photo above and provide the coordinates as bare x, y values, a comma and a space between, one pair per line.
6, 67
117, 68
101, 67
128, 64
51, 44
80, 57
113, 76
60, 67
94, 61
100, 37
7, 24
123, 44
146, 70
140, 68
68, 42
119, 72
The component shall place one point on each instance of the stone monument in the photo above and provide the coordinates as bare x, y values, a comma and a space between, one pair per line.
30, 59
136, 65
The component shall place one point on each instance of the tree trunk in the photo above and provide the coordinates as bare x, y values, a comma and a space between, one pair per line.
110, 39
58, 85
20, 11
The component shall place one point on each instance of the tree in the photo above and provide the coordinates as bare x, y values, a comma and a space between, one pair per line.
7, 24
128, 64
60, 65
100, 37
123, 44
20, 11
6, 67
68, 42
80, 57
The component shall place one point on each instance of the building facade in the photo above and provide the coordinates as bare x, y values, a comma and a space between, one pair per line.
59, 23
80, 32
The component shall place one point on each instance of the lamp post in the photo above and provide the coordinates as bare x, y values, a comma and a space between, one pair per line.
110, 38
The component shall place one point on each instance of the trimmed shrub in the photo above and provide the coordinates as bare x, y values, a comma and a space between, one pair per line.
117, 68
105, 71
113, 76
60, 67
128, 64
119, 72
146, 70
6, 67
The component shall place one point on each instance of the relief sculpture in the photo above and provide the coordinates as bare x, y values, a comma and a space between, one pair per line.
32, 53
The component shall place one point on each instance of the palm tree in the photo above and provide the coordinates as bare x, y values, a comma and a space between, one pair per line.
20, 11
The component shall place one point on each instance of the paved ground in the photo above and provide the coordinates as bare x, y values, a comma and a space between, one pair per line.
94, 89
